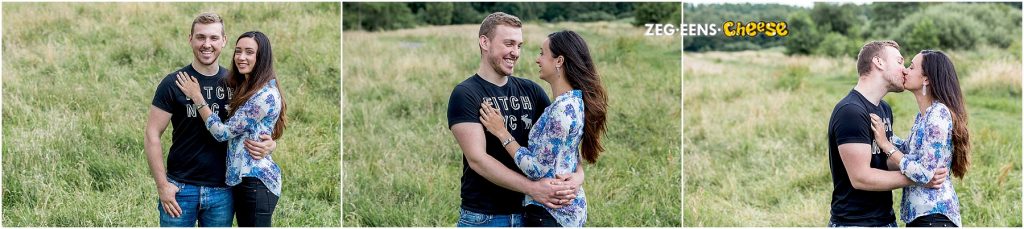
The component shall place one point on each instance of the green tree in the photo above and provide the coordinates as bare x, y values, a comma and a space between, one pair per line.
464, 13
832, 17
885, 16
438, 13
960, 26
803, 35
837, 45
377, 16
923, 36
655, 12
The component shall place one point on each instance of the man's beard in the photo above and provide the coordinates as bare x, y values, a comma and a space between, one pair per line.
894, 86
212, 61
498, 66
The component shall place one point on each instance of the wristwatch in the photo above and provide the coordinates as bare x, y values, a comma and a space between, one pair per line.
889, 154
198, 106
509, 140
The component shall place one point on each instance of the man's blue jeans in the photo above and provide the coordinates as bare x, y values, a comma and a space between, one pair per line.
209, 206
473, 219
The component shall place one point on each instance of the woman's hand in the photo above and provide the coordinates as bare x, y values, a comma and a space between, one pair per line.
190, 86
878, 128
493, 121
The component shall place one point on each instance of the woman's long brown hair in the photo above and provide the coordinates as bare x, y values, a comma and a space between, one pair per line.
945, 88
582, 75
262, 73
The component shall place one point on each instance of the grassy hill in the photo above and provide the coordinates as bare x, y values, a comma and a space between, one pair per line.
78, 79
756, 149
402, 164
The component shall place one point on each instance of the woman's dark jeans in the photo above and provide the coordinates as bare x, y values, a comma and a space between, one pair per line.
254, 203
537, 216
933, 220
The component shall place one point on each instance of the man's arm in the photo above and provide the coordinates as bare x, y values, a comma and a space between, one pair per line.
857, 160
155, 126
893, 163
473, 143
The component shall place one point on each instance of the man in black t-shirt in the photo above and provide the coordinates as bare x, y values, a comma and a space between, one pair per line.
192, 189
492, 185
862, 176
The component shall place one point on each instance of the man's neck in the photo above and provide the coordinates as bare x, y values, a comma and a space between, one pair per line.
871, 89
206, 70
488, 74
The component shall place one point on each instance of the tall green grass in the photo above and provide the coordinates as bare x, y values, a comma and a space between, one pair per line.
402, 164
755, 136
78, 79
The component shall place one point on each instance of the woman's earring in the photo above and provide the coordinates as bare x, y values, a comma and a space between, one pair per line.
924, 90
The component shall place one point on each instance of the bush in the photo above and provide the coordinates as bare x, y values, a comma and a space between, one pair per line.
803, 34
438, 13
960, 26
1000, 22
463, 13
377, 16
655, 12
837, 45
833, 17
595, 16
923, 36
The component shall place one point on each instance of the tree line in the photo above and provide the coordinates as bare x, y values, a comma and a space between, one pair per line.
391, 16
834, 29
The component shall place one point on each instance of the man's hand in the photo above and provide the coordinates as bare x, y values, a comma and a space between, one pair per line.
548, 192
167, 191
574, 180
938, 178
259, 150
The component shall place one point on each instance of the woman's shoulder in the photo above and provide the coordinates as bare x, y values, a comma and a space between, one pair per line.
938, 114
270, 88
939, 110
270, 92
571, 101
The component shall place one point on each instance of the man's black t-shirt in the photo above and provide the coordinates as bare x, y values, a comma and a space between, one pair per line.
521, 102
851, 123
195, 156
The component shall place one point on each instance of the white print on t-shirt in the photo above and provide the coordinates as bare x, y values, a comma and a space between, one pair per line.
210, 92
888, 128
888, 124
506, 102
512, 103
528, 121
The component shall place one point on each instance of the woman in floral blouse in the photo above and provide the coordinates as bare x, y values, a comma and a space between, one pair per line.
257, 107
568, 131
938, 139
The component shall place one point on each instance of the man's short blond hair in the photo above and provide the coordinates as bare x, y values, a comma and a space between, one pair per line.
498, 18
206, 19
869, 51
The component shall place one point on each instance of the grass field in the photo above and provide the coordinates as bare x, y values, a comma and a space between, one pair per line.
755, 136
78, 79
402, 166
